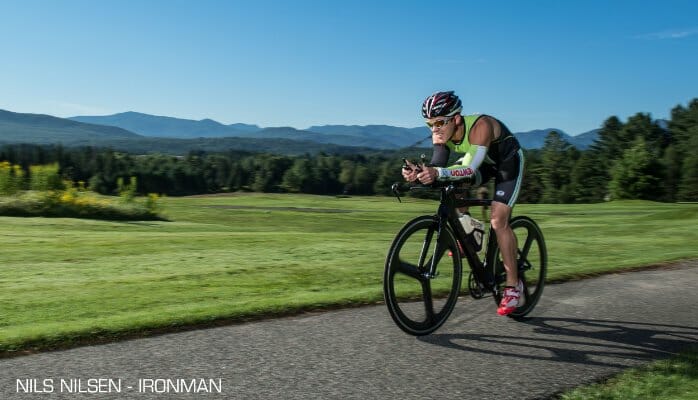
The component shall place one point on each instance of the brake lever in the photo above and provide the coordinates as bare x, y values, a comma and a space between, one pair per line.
407, 167
396, 191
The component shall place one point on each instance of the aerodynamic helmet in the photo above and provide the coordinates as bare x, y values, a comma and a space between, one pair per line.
441, 104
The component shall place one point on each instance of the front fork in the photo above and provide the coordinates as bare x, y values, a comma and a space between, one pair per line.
442, 218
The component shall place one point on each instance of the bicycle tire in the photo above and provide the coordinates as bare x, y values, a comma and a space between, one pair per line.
417, 304
532, 261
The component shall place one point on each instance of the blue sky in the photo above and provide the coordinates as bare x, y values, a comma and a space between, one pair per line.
560, 64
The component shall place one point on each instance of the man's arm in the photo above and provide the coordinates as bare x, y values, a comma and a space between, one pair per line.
480, 138
481, 135
471, 162
439, 156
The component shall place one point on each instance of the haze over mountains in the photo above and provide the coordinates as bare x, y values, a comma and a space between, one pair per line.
375, 136
379, 136
132, 131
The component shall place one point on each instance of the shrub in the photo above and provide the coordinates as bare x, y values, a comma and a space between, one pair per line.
127, 192
72, 203
11, 178
52, 197
45, 177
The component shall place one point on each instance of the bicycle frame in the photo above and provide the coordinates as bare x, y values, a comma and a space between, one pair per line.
446, 213
414, 270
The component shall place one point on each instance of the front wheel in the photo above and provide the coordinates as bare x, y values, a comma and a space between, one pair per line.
419, 302
532, 262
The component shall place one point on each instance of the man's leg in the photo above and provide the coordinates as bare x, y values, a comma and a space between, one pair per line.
512, 297
506, 240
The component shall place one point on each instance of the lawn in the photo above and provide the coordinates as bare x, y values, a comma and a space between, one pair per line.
219, 258
673, 379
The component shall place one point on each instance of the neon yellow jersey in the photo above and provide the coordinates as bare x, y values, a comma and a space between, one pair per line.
505, 145
464, 146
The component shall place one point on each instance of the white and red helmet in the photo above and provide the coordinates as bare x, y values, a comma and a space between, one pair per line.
441, 104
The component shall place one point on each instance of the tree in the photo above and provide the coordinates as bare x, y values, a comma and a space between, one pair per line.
325, 170
683, 120
269, 173
45, 177
634, 175
641, 124
346, 176
588, 181
11, 178
611, 140
556, 168
299, 177
237, 178
671, 164
688, 187
388, 173
364, 177
532, 185
683, 128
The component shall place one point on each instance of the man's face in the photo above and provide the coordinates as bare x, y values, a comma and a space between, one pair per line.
442, 128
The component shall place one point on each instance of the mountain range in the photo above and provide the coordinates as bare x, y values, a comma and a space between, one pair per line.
137, 132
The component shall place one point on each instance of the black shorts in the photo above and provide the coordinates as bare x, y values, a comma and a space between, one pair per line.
507, 178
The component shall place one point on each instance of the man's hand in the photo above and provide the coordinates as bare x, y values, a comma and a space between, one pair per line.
410, 171
428, 175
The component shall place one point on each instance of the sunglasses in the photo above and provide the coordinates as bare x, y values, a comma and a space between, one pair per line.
439, 123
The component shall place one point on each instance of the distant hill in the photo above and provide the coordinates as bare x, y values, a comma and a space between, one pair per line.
317, 137
45, 129
377, 136
584, 140
536, 139
373, 136
383, 136
137, 132
157, 126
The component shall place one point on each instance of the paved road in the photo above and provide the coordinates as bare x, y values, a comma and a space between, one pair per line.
580, 332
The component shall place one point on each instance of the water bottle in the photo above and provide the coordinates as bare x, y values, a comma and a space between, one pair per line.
474, 230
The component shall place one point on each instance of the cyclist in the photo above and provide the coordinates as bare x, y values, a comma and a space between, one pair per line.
490, 150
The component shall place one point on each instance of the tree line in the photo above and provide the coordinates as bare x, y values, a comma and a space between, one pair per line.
638, 159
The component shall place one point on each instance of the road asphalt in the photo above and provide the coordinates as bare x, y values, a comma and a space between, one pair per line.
580, 332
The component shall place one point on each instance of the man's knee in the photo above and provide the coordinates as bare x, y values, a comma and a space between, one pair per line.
499, 223
500, 216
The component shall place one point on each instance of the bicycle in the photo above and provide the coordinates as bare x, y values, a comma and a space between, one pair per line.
421, 284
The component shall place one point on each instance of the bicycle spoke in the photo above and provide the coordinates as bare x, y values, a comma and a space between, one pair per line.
523, 263
527, 291
428, 301
410, 270
527, 246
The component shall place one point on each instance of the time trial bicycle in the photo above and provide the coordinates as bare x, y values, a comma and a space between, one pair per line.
423, 269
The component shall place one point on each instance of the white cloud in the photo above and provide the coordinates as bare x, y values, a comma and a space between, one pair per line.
670, 34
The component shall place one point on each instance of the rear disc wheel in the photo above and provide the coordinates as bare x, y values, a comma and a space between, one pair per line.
532, 263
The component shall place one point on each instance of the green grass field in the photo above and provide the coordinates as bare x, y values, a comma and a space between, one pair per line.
673, 379
227, 257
